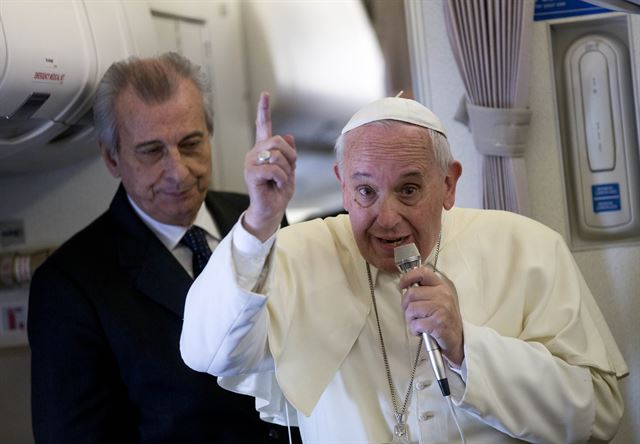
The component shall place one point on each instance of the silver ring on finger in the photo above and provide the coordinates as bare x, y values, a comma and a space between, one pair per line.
263, 157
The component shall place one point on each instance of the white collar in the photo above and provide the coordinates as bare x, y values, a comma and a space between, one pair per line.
170, 235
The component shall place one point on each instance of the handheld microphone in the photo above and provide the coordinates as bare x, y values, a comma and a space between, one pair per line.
407, 257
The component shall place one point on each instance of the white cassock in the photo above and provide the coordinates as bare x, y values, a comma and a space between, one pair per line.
297, 331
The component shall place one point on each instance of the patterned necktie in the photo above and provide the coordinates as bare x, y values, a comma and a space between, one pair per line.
196, 240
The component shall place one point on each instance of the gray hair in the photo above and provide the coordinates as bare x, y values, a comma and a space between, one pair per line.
441, 149
154, 80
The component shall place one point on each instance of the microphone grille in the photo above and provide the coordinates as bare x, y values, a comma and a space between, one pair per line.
406, 253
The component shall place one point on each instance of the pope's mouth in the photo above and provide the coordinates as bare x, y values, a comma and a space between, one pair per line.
395, 242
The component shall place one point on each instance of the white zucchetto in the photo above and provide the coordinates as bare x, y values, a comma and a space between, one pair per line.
395, 108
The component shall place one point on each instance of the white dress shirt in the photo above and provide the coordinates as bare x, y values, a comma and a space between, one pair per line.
170, 235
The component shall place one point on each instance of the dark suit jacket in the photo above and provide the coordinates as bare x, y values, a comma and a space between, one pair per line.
105, 315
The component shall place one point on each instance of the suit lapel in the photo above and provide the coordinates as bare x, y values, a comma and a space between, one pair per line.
163, 279
153, 269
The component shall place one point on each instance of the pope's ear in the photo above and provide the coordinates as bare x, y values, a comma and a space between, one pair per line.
336, 171
110, 160
451, 180
343, 186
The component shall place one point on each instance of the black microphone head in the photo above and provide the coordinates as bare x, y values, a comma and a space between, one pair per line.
407, 257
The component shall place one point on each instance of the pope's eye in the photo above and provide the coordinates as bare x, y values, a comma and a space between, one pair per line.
409, 190
150, 149
365, 191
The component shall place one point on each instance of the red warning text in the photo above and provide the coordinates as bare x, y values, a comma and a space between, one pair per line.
48, 76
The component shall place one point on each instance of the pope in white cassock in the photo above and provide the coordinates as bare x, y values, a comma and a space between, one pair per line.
316, 323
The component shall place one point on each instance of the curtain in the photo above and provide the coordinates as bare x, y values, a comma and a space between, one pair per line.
490, 40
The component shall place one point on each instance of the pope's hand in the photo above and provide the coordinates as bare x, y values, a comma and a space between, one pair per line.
269, 173
431, 307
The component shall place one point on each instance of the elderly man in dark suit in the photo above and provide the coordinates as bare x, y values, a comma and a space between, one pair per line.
105, 310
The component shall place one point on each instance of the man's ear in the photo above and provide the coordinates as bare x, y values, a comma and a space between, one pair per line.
111, 161
450, 181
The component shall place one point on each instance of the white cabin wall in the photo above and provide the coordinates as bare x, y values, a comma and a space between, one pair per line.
611, 272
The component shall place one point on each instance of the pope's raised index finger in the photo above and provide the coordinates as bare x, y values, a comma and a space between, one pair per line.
263, 118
